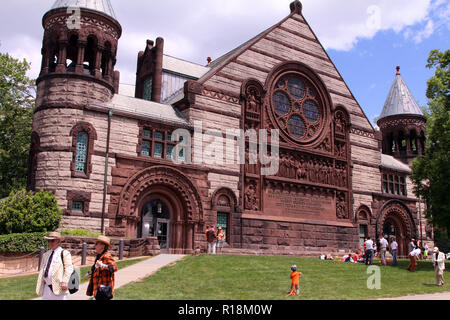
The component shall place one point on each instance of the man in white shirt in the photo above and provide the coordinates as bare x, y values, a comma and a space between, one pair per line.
394, 248
369, 251
439, 266
55, 272
383, 248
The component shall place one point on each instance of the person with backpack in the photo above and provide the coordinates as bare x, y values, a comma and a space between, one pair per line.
56, 270
101, 277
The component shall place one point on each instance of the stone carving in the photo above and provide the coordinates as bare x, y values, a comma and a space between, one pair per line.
325, 145
253, 100
251, 197
340, 150
341, 206
340, 123
312, 169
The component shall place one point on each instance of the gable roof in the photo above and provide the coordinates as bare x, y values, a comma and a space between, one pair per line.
292, 39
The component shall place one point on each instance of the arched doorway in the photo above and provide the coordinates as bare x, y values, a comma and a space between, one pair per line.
155, 221
164, 199
395, 221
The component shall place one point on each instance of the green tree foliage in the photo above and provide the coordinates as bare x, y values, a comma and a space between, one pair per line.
16, 116
431, 174
25, 212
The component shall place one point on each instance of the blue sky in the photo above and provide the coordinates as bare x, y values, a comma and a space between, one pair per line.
366, 39
369, 68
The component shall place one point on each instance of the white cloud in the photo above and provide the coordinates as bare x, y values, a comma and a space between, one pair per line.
22, 46
425, 33
197, 29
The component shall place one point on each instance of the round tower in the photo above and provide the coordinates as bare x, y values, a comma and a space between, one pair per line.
402, 123
78, 54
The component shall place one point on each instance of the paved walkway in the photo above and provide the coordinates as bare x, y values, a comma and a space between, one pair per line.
132, 273
434, 296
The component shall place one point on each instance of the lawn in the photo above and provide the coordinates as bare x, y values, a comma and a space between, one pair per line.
267, 278
24, 288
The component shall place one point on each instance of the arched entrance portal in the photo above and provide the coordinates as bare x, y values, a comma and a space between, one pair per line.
164, 199
155, 221
396, 221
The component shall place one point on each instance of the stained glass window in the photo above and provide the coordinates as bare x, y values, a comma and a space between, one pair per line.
77, 206
169, 152
297, 126
159, 136
282, 103
146, 133
158, 150
222, 221
296, 88
297, 106
311, 111
394, 184
81, 155
148, 86
146, 146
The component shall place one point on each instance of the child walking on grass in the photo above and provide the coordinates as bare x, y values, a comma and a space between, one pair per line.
295, 282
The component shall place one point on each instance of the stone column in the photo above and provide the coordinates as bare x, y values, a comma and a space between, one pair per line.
189, 237
98, 62
80, 59
62, 57
45, 61
109, 68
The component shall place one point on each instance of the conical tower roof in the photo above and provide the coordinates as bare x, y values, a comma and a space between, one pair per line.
400, 101
103, 6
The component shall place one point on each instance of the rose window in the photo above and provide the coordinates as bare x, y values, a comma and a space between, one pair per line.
296, 107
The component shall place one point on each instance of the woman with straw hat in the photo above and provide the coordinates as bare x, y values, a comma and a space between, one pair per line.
101, 283
55, 270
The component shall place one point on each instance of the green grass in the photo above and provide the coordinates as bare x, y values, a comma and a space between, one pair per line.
267, 278
24, 288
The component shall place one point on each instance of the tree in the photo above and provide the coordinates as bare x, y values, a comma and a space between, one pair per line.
16, 118
431, 174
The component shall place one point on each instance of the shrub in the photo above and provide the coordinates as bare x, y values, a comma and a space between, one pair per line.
23, 242
79, 233
25, 212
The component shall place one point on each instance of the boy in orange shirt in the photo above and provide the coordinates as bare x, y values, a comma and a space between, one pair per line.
295, 285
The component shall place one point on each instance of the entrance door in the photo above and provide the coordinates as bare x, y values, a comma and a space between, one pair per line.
162, 232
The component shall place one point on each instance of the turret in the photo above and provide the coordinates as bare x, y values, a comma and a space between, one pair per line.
78, 54
402, 123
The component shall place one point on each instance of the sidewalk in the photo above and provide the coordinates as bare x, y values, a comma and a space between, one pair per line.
132, 273
434, 296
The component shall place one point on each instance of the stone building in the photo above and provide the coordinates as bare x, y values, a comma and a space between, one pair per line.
106, 149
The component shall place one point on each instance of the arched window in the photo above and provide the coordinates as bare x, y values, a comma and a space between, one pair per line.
83, 137
90, 55
72, 53
81, 155
224, 202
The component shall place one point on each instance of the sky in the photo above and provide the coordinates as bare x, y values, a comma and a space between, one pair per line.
366, 39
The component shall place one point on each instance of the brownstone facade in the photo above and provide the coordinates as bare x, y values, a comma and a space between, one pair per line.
327, 194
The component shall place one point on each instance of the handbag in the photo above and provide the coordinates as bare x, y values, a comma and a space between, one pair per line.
104, 293
74, 282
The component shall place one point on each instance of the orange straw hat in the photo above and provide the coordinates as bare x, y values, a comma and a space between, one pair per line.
105, 240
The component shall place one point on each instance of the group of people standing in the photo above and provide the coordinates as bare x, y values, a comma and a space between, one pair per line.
215, 239
56, 270
383, 246
416, 252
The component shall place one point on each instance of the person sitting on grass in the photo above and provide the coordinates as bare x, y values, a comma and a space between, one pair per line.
349, 257
295, 282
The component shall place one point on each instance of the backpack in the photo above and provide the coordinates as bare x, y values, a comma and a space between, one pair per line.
74, 281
